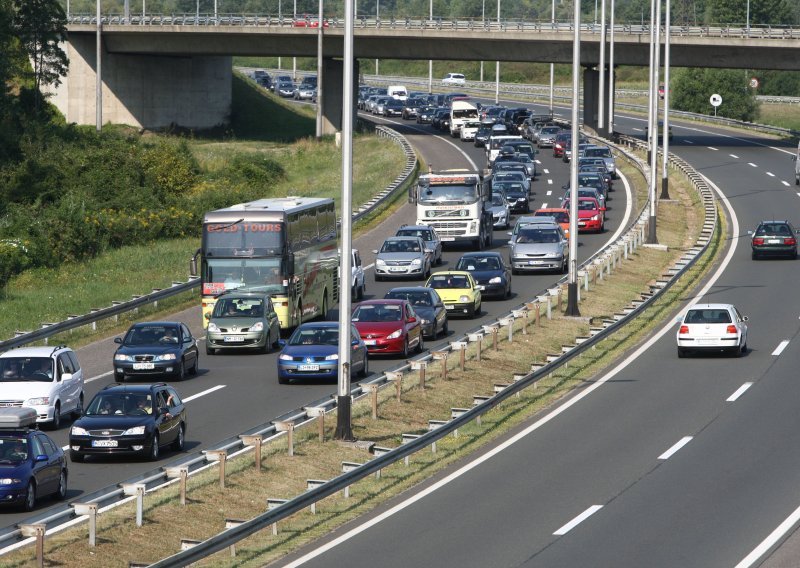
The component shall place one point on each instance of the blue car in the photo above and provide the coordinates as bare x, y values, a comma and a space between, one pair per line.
32, 465
312, 352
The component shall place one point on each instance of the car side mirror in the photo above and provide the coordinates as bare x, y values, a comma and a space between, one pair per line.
480, 287
411, 320
118, 340
745, 318
40, 458
374, 252
602, 209
354, 342
65, 376
282, 343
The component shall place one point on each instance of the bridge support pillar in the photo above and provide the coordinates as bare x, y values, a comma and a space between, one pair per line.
332, 94
591, 100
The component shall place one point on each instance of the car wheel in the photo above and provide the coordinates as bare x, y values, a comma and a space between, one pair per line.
514, 271
507, 294
78, 409
30, 497
55, 424
405, 349
754, 255
155, 450
421, 344
181, 371
377, 277
365, 371
445, 328
210, 350
196, 366
180, 441
61, 492
471, 312
75, 457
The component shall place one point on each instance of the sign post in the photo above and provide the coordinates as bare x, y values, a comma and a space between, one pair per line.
715, 101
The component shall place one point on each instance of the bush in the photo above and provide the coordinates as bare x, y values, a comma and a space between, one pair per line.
13, 259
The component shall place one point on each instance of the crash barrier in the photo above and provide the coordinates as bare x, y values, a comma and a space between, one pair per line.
47, 330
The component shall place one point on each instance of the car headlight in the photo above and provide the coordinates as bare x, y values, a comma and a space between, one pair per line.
165, 357
41, 401
425, 322
135, 431
395, 334
380, 262
78, 431
9, 481
213, 328
464, 299
333, 357
495, 280
285, 357
122, 357
258, 327
595, 218
416, 262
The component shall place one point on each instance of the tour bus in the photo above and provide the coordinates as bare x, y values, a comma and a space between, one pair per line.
285, 246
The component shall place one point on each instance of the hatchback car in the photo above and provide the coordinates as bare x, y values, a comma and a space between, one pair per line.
393, 107
32, 465
285, 89
425, 114
712, 328
433, 244
157, 348
389, 327
459, 292
130, 420
591, 215
501, 210
539, 246
243, 320
547, 136
490, 271
513, 173
312, 353
428, 306
774, 238
515, 193
605, 153
402, 257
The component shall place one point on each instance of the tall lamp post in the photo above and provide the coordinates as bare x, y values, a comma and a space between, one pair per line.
611, 74
320, 78
430, 61
602, 86
655, 48
552, 65
665, 135
572, 286
497, 66
98, 94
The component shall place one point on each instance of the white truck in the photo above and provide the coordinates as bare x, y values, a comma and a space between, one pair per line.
461, 112
456, 203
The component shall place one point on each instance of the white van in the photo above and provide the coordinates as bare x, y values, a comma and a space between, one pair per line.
454, 79
461, 112
398, 92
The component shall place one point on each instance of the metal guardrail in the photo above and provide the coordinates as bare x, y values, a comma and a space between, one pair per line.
231, 536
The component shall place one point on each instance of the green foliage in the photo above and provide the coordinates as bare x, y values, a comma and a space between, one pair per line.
782, 83
13, 260
691, 89
168, 167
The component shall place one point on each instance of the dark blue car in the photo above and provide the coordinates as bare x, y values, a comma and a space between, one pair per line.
490, 271
312, 353
32, 465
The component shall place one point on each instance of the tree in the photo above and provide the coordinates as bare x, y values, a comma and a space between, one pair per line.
41, 25
691, 89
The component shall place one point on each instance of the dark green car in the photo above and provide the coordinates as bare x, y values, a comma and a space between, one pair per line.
243, 320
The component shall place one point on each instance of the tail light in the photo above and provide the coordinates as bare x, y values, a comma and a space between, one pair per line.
789, 241
684, 329
731, 329
758, 241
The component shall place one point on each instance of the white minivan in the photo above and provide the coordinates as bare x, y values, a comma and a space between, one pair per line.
398, 92
47, 379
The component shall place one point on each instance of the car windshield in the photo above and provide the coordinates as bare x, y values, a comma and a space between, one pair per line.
498, 200
423, 234
33, 369
774, 229
397, 245
583, 205
151, 335
559, 216
508, 175
477, 263
509, 187
378, 312
708, 316
531, 235
598, 152
315, 336
120, 404
551, 130
13, 450
414, 297
239, 308
450, 281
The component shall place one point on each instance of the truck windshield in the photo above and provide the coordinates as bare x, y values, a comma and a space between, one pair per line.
461, 194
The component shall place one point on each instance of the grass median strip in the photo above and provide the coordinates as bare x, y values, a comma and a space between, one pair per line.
246, 493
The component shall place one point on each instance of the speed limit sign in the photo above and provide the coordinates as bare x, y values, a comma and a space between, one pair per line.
715, 100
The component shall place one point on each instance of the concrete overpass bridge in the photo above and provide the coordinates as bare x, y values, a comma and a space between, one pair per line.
163, 70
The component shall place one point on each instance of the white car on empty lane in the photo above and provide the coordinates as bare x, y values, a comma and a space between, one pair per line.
712, 328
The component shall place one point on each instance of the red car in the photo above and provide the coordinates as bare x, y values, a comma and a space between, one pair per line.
560, 144
310, 23
389, 327
591, 217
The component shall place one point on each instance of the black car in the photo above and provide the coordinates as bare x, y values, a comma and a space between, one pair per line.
411, 108
516, 195
393, 107
153, 348
490, 271
425, 114
428, 306
482, 135
774, 238
32, 465
130, 420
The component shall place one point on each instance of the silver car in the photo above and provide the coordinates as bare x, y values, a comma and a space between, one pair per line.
547, 136
402, 257
605, 153
511, 176
539, 246
243, 320
380, 105
433, 244
501, 211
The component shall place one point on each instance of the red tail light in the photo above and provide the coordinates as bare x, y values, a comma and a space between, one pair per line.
684, 329
758, 241
731, 329
789, 241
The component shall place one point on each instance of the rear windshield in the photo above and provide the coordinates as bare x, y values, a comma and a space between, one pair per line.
774, 229
708, 316
526, 235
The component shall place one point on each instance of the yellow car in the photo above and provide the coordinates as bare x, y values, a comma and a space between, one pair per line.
458, 290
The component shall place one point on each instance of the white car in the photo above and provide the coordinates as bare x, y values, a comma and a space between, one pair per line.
454, 79
358, 281
46, 379
469, 130
712, 328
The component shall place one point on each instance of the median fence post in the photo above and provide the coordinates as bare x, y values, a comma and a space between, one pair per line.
256, 441
181, 472
405, 439
90, 510
397, 378
420, 367
318, 412
222, 457
136, 490
313, 484
288, 427
477, 338
373, 395
346, 468
274, 504
232, 524
441, 356
461, 347
36, 531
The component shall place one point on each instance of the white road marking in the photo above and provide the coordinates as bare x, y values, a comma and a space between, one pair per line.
549, 192
786, 183
770, 174
546, 171
544, 205
549, 182
682, 442
781, 346
638, 129
739, 392
752, 164
712, 148
774, 537
734, 156
578, 520
100, 376
203, 393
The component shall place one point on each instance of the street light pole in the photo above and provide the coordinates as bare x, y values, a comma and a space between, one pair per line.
483, 20
98, 94
748, 18
552, 65
601, 110
430, 61
665, 135
611, 75
497, 66
320, 78
572, 286
652, 237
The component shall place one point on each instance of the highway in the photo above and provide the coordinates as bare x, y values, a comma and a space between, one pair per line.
236, 392
662, 462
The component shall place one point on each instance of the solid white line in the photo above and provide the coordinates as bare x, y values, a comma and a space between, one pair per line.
752, 164
682, 442
100, 376
578, 520
734, 156
712, 148
781, 346
739, 392
770, 174
773, 538
203, 393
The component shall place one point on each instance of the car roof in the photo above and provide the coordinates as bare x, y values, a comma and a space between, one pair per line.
553, 209
161, 323
403, 238
481, 254
43, 351
410, 289
132, 388
712, 306
385, 301
319, 325
451, 273
414, 228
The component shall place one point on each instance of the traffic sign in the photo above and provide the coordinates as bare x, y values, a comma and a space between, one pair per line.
754, 83
715, 100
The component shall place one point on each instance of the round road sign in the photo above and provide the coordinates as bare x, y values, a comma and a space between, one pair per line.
715, 100
754, 83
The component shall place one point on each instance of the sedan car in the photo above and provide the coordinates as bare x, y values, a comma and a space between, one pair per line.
547, 136
312, 353
425, 114
459, 291
482, 135
428, 306
774, 238
243, 320
285, 89
587, 192
605, 153
402, 257
127, 420
433, 244
488, 270
411, 108
501, 211
389, 327
712, 328
591, 216
516, 173
156, 348
539, 246
559, 215
32, 465
515, 193
393, 107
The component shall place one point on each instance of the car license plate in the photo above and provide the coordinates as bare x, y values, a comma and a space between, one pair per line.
105, 443
308, 367
581, 224
370, 342
143, 366
534, 262
447, 239
774, 241
707, 341
397, 269
233, 339
448, 307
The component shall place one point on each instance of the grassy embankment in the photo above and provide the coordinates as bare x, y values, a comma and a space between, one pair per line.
262, 124
284, 477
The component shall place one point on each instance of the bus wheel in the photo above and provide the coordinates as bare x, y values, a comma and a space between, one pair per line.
325, 307
298, 312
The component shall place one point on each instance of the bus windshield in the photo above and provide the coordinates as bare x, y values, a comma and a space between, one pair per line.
258, 274
462, 194
242, 239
